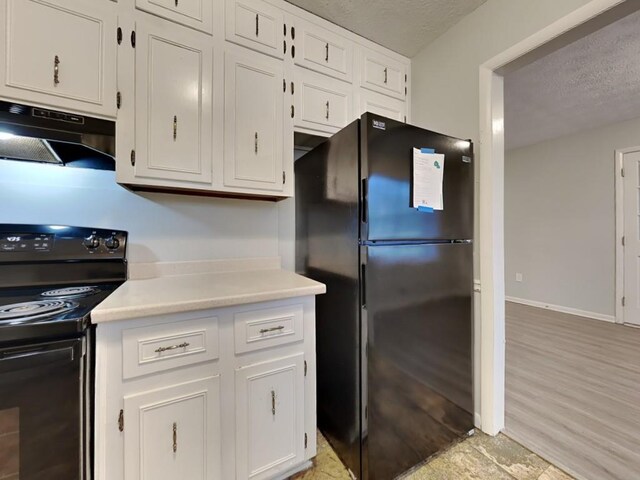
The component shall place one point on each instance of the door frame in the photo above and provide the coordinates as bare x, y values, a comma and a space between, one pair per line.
491, 204
619, 189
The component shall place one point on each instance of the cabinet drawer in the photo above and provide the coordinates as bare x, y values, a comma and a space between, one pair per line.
323, 103
323, 51
382, 74
382, 105
45, 62
255, 24
162, 347
264, 328
192, 13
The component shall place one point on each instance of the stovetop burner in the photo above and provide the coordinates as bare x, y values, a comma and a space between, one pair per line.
70, 292
17, 313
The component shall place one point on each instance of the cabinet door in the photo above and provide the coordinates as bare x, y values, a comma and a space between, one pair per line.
193, 13
322, 103
257, 25
174, 432
383, 74
269, 417
173, 83
253, 122
382, 105
323, 51
60, 53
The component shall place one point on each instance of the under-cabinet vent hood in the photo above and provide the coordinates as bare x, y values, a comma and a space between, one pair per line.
48, 136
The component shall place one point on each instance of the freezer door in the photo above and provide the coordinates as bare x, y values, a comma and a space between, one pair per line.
417, 322
386, 177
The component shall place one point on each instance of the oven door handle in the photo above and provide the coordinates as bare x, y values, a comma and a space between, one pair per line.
21, 360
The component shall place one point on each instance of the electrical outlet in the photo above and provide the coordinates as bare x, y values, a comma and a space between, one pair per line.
518, 277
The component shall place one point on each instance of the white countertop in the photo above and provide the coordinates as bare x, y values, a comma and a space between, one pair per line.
200, 291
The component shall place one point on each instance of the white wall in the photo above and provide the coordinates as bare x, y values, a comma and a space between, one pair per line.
162, 227
560, 219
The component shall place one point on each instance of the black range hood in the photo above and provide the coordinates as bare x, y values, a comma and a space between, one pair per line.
37, 134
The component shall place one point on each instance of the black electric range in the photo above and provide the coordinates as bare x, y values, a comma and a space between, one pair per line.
51, 277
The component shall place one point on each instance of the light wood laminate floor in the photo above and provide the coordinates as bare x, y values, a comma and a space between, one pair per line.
573, 391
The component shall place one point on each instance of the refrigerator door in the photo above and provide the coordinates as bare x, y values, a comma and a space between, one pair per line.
386, 176
417, 322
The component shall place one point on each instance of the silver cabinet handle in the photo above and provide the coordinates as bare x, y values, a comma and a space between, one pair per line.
273, 402
175, 127
326, 52
272, 329
172, 347
385, 75
255, 143
257, 25
175, 437
327, 114
56, 70
176, 3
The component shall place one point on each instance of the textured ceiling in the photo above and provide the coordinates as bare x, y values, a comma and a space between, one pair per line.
590, 83
404, 26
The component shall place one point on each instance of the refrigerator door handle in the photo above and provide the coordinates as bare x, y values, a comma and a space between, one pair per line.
364, 200
363, 283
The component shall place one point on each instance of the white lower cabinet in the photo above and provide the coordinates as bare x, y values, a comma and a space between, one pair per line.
174, 432
269, 417
184, 396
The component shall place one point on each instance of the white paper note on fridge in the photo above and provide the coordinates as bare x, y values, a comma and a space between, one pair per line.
428, 177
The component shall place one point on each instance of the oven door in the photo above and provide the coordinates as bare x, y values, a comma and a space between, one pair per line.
42, 411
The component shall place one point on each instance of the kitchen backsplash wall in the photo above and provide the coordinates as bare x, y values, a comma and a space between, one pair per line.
162, 227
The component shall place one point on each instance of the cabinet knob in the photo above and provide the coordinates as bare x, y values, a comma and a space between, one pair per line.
56, 70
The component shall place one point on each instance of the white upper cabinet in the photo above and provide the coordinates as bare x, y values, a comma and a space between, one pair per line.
322, 50
322, 103
382, 73
382, 105
173, 102
60, 53
257, 25
173, 432
269, 417
253, 120
192, 13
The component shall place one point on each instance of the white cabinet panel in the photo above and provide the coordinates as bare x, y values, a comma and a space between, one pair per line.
322, 103
323, 51
270, 417
174, 432
257, 25
382, 74
193, 13
382, 105
173, 85
60, 53
253, 122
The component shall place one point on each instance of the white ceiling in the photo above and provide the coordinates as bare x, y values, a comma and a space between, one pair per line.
404, 26
589, 83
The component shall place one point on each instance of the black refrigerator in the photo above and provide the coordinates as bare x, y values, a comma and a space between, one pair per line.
394, 330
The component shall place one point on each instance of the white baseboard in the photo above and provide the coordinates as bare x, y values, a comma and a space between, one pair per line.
559, 308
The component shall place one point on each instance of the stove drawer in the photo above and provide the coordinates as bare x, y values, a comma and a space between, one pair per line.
265, 328
161, 347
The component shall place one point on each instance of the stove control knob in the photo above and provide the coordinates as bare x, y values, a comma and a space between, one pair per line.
91, 242
112, 243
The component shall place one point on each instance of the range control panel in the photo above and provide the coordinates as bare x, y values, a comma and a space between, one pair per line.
26, 242
55, 242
